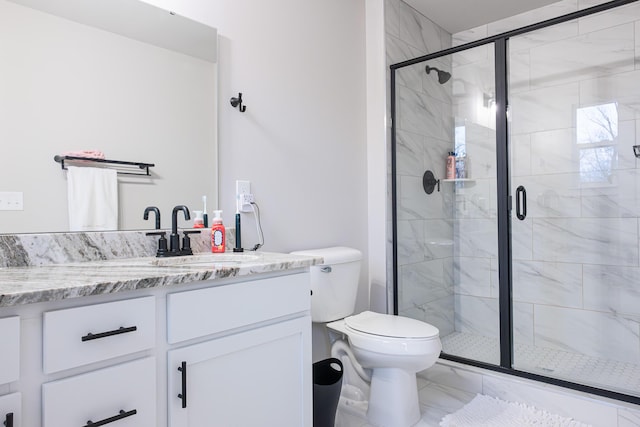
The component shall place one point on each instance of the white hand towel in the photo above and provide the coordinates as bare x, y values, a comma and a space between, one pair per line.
93, 198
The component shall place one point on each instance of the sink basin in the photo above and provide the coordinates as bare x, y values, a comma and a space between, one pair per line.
205, 260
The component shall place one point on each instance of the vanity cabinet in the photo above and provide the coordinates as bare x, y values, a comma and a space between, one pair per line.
222, 352
255, 370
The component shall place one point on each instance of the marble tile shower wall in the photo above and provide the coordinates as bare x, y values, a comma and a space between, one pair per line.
576, 260
425, 135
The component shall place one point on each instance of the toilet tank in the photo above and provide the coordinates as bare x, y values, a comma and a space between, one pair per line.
334, 284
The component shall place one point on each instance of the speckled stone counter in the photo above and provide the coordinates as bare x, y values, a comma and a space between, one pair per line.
71, 265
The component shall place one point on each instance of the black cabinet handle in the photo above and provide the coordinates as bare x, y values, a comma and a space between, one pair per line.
183, 369
120, 416
8, 420
521, 203
121, 330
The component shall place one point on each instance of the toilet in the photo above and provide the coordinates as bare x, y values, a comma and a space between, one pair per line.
382, 353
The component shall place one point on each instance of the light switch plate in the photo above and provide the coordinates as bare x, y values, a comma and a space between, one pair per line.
11, 201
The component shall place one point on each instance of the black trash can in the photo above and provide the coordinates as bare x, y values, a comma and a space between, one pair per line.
327, 383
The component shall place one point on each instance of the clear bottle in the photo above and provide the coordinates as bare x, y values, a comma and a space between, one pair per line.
461, 170
217, 233
198, 221
451, 165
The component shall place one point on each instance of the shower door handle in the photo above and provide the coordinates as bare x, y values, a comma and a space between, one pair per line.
521, 203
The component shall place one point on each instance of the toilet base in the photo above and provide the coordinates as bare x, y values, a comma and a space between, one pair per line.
393, 399
353, 401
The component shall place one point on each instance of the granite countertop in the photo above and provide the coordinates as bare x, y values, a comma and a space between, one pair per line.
53, 282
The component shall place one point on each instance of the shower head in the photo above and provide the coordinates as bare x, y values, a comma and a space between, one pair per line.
443, 76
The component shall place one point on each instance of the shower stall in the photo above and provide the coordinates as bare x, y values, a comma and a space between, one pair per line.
525, 251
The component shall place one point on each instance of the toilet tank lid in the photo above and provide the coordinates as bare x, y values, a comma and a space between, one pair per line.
334, 255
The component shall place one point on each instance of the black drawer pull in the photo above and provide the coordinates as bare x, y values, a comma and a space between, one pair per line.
120, 416
8, 420
183, 368
121, 330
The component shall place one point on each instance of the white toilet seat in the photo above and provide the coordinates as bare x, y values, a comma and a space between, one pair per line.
388, 325
392, 335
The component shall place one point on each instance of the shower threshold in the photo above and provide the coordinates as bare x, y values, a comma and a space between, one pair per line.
614, 375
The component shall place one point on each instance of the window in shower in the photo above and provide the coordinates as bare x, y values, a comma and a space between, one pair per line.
596, 136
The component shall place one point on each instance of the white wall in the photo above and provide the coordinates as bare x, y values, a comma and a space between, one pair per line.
378, 205
300, 65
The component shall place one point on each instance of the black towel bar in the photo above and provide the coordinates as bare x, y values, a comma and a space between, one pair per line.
144, 166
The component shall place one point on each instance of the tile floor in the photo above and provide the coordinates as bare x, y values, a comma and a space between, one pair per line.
448, 386
602, 373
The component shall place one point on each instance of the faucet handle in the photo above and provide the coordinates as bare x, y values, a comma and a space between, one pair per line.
162, 243
186, 242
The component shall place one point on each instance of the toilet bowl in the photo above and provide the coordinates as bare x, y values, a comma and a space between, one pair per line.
381, 353
394, 348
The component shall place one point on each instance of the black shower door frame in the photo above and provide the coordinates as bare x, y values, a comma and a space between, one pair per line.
500, 42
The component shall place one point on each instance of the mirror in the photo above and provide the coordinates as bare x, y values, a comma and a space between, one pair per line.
119, 76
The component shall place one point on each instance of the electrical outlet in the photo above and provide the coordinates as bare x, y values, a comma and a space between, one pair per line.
246, 199
243, 189
11, 201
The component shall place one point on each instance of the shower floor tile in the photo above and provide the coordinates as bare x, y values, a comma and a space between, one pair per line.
602, 373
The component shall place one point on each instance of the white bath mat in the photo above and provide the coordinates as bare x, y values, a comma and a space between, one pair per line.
486, 411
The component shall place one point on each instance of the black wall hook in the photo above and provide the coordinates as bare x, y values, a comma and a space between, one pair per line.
237, 102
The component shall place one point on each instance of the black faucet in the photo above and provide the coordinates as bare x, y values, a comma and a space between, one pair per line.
174, 239
156, 211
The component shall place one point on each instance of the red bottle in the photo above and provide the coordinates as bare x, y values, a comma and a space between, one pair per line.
451, 166
217, 233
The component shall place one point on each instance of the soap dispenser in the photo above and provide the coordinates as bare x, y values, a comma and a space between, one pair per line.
198, 221
217, 233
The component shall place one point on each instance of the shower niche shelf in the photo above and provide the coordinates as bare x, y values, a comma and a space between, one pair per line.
430, 183
440, 242
459, 180
459, 184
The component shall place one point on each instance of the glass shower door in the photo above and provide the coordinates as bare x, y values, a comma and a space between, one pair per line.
573, 99
447, 222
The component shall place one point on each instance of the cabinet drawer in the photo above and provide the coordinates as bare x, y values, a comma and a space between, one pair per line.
11, 409
82, 335
10, 344
124, 393
207, 311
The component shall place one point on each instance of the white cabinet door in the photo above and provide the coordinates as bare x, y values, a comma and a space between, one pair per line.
10, 344
10, 410
123, 395
253, 379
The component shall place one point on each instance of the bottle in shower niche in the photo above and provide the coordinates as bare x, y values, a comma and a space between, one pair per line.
461, 167
217, 233
451, 165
